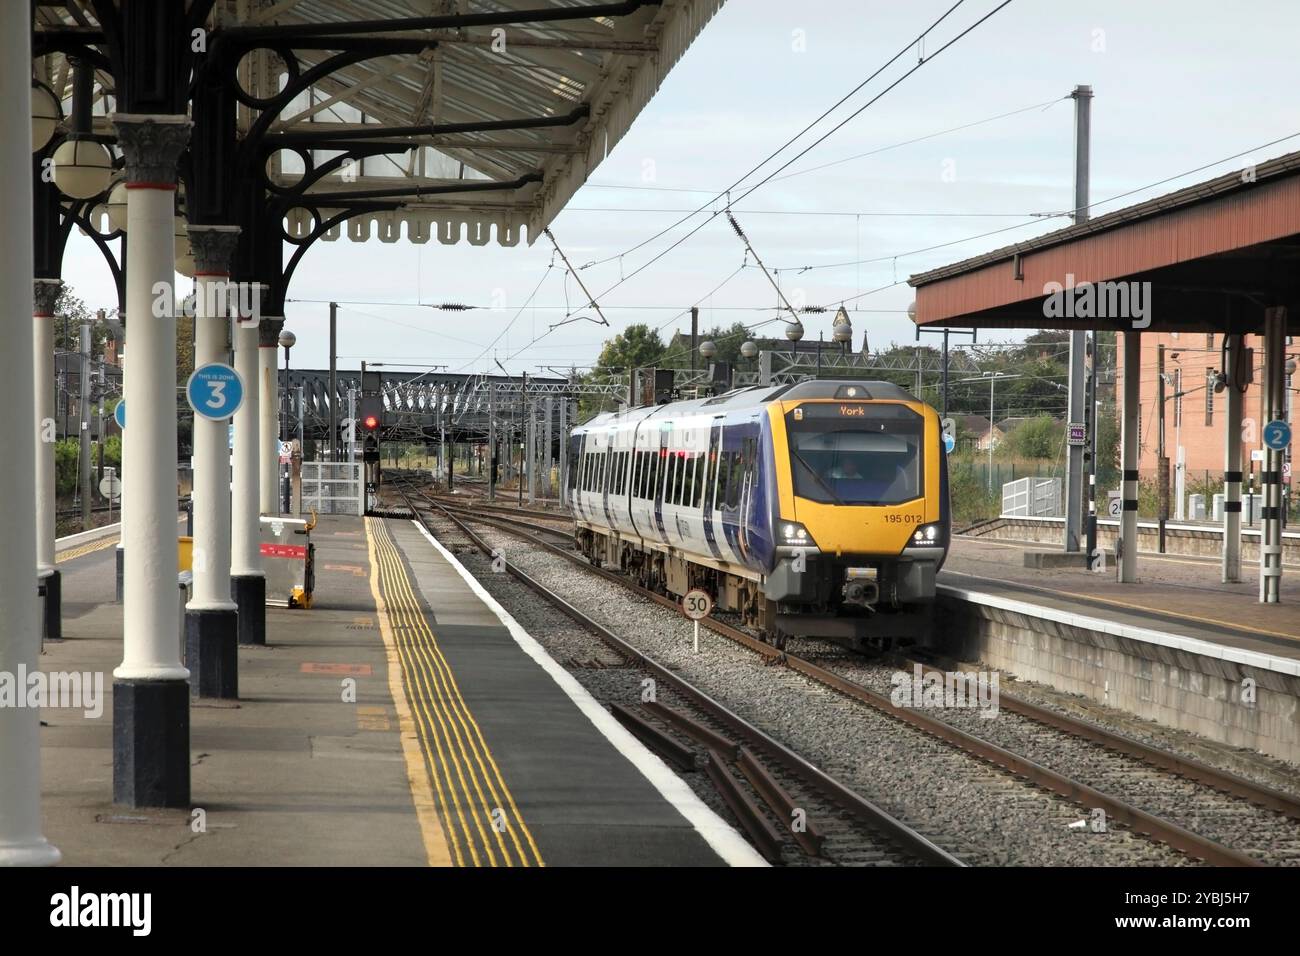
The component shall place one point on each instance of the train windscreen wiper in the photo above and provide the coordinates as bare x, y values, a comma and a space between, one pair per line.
816, 477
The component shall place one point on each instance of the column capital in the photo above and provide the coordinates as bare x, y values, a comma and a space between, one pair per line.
45, 295
268, 331
213, 247
152, 145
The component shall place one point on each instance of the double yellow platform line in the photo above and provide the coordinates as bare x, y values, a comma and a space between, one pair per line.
468, 816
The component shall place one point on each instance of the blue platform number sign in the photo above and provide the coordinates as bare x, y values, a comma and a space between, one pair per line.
1277, 435
215, 391
119, 414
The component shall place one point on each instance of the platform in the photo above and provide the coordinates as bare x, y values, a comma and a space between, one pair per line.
1178, 647
400, 721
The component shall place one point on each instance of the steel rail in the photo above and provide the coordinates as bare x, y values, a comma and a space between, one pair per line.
906, 838
1157, 828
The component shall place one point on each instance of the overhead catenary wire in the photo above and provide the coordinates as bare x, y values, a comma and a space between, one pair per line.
920, 63
780, 149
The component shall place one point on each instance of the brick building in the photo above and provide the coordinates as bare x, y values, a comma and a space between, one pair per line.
1195, 420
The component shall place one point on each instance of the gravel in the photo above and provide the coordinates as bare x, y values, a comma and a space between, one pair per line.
981, 814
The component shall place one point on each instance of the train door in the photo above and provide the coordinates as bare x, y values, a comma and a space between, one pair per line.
748, 475
660, 470
710, 506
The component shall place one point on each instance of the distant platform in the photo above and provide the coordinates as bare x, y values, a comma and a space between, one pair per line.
1179, 647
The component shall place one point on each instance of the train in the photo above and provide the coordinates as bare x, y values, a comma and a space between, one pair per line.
813, 509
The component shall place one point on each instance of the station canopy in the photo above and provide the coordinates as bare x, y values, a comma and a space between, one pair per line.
494, 125
1211, 257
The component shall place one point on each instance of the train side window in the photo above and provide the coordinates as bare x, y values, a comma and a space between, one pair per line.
636, 474
684, 484
697, 488
646, 470
622, 471
584, 468
656, 476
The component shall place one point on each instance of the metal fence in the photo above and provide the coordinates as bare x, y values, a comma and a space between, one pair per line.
1032, 498
332, 487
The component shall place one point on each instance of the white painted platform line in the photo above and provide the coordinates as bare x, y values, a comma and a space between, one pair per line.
716, 832
1193, 645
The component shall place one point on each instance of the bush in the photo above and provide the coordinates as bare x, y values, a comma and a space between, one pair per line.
66, 452
1039, 438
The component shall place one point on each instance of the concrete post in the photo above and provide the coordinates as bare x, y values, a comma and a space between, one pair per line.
151, 716
268, 436
211, 618
21, 840
1234, 371
1129, 456
248, 579
46, 293
548, 456
530, 455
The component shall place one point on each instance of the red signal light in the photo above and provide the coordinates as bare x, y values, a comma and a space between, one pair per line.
371, 422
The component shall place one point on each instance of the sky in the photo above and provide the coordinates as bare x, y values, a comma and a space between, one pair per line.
1178, 85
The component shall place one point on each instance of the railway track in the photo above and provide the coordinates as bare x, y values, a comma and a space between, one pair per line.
1136, 776
793, 811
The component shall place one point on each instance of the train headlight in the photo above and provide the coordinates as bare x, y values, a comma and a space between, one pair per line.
792, 534
926, 536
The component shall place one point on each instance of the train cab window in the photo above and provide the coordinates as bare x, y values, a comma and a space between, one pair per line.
856, 454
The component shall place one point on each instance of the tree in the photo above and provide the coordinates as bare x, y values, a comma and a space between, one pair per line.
1038, 438
635, 347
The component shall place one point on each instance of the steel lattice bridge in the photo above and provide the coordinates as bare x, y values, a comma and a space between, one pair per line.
428, 406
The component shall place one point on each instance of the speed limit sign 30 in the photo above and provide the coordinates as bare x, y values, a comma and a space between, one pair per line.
696, 605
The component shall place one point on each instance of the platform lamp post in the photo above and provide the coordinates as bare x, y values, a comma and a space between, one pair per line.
287, 341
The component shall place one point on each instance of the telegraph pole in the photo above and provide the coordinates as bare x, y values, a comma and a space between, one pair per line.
334, 382
1074, 487
83, 465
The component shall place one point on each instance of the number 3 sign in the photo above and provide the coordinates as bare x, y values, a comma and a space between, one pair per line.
215, 391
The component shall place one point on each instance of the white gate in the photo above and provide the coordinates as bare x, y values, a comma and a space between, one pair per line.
1032, 498
332, 487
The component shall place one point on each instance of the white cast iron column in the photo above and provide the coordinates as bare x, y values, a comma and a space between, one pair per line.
151, 698
46, 295
269, 432
21, 842
211, 621
248, 580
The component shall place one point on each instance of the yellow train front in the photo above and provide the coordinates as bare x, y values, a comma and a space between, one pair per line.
861, 513
812, 509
